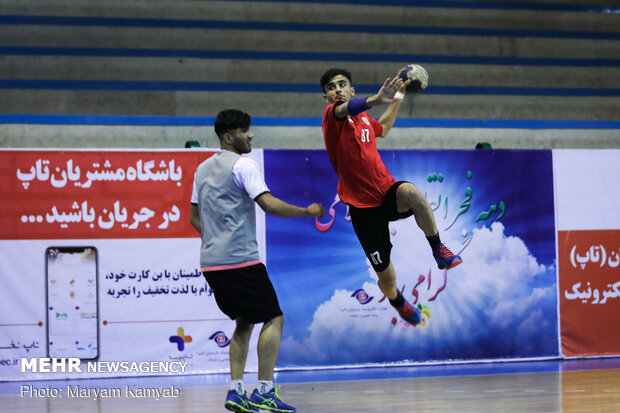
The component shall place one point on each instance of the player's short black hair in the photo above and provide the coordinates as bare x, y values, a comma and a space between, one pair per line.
330, 73
231, 119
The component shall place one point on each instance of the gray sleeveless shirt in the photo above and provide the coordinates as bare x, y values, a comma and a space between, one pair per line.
227, 215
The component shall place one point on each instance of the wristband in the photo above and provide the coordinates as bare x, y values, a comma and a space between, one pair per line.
356, 106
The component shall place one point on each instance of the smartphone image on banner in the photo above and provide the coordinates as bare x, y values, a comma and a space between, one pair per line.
72, 302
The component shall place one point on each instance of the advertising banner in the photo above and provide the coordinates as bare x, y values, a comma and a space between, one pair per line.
99, 262
494, 208
587, 204
589, 292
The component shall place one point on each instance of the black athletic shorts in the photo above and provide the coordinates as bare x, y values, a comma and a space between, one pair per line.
372, 227
245, 292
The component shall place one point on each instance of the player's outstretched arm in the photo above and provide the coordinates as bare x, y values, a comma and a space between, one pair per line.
415, 81
276, 207
386, 95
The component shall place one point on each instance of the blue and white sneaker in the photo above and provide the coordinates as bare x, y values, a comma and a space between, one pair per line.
270, 401
236, 402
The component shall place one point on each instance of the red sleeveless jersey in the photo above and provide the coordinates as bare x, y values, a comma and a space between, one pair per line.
352, 149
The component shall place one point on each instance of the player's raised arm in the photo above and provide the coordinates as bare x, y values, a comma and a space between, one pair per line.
385, 96
415, 80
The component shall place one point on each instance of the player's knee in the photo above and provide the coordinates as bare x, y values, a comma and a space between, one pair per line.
243, 327
277, 321
386, 282
413, 195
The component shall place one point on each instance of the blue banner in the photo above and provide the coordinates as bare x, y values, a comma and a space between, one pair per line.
493, 207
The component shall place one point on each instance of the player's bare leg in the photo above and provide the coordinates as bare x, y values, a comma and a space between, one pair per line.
236, 399
409, 197
239, 344
387, 282
267, 397
387, 285
269, 347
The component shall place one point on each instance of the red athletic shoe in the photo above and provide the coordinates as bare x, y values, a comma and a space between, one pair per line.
445, 258
409, 313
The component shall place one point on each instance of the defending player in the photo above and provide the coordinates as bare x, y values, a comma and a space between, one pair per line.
226, 186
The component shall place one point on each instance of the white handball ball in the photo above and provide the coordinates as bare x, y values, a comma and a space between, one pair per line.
418, 76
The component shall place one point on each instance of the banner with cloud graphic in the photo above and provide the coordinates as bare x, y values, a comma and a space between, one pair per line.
494, 208
124, 217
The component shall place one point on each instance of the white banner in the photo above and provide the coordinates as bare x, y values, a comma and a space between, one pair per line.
586, 189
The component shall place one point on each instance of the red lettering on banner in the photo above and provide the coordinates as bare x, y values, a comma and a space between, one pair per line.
97, 194
589, 281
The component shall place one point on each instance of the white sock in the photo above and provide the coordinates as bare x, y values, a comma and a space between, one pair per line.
264, 386
238, 386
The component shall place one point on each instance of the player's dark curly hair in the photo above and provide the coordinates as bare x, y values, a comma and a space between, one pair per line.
329, 74
230, 119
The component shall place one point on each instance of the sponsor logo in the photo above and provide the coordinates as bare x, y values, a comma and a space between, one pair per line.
220, 339
361, 296
180, 339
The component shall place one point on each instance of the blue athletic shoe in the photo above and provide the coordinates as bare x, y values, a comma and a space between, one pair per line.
409, 313
236, 402
270, 401
445, 258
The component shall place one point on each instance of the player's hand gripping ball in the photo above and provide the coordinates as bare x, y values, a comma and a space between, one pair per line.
418, 76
